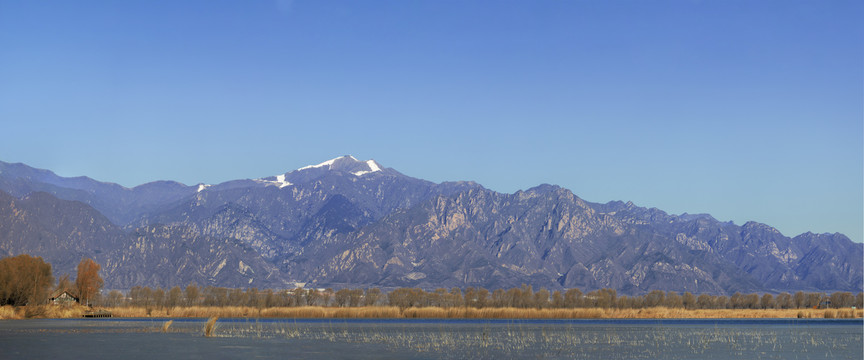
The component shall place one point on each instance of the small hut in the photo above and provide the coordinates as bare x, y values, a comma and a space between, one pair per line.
63, 297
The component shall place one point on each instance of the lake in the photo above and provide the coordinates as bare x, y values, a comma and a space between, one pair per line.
433, 339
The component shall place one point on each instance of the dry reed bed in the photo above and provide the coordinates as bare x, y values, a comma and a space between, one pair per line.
484, 313
8, 312
382, 312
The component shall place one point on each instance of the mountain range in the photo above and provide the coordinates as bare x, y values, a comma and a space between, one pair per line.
352, 223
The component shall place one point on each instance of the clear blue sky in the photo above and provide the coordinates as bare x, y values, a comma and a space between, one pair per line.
747, 110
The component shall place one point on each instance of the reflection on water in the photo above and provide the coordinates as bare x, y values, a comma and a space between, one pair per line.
610, 339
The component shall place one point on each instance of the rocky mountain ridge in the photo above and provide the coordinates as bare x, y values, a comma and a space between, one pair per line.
346, 222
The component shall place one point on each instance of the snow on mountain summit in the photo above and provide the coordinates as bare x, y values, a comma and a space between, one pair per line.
347, 163
278, 180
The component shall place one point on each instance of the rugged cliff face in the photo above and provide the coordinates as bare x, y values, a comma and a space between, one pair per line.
62, 232
354, 223
545, 236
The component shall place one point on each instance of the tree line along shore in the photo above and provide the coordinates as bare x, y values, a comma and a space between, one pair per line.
26, 286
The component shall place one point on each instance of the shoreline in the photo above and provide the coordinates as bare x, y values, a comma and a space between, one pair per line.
392, 312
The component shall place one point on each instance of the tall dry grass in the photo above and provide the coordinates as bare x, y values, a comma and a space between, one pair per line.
647, 313
843, 314
42, 312
210, 326
502, 313
376, 312
381, 312
65, 312
8, 312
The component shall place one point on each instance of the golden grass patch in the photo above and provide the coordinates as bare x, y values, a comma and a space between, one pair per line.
8, 312
382, 312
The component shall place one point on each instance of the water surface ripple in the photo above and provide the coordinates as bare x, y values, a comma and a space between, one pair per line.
434, 338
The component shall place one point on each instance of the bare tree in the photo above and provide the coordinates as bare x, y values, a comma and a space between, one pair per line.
800, 300
784, 301
191, 294
541, 298
342, 297
767, 301
88, 283
24, 280
372, 296
572, 298
175, 295
673, 300
704, 301
557, 299
842, 299
655, 298
689, 300
456, 298
158, 297
64, 283
498, 298
115, 298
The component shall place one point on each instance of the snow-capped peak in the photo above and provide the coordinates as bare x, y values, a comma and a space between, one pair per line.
328, 163
280, 181
348, 164
373, 167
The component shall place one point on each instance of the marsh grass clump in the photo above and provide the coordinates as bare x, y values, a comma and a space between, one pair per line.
66, 312
167, 325
435, 312
35, 311
210, 326
8, 312
846, 314
42, 312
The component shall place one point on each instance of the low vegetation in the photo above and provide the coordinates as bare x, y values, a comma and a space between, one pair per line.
167, 325
42, 311
432, 312
523, 297
25, 280
210, 326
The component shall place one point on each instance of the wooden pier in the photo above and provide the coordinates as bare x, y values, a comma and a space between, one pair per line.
97, 314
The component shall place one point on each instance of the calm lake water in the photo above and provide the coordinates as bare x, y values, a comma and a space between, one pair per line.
433, 339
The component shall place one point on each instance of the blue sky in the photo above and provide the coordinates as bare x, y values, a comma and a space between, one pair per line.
747, 110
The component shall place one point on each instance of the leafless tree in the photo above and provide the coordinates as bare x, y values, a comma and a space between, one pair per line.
24, 280
88, 282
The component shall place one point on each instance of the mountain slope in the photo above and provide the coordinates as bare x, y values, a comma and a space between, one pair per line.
347, 222
119, 204
545, 236
63, 232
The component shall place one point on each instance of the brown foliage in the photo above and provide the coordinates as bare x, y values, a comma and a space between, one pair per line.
88, 282
64, 283
24, 280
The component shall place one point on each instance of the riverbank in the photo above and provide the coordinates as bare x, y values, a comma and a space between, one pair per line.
381, 312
